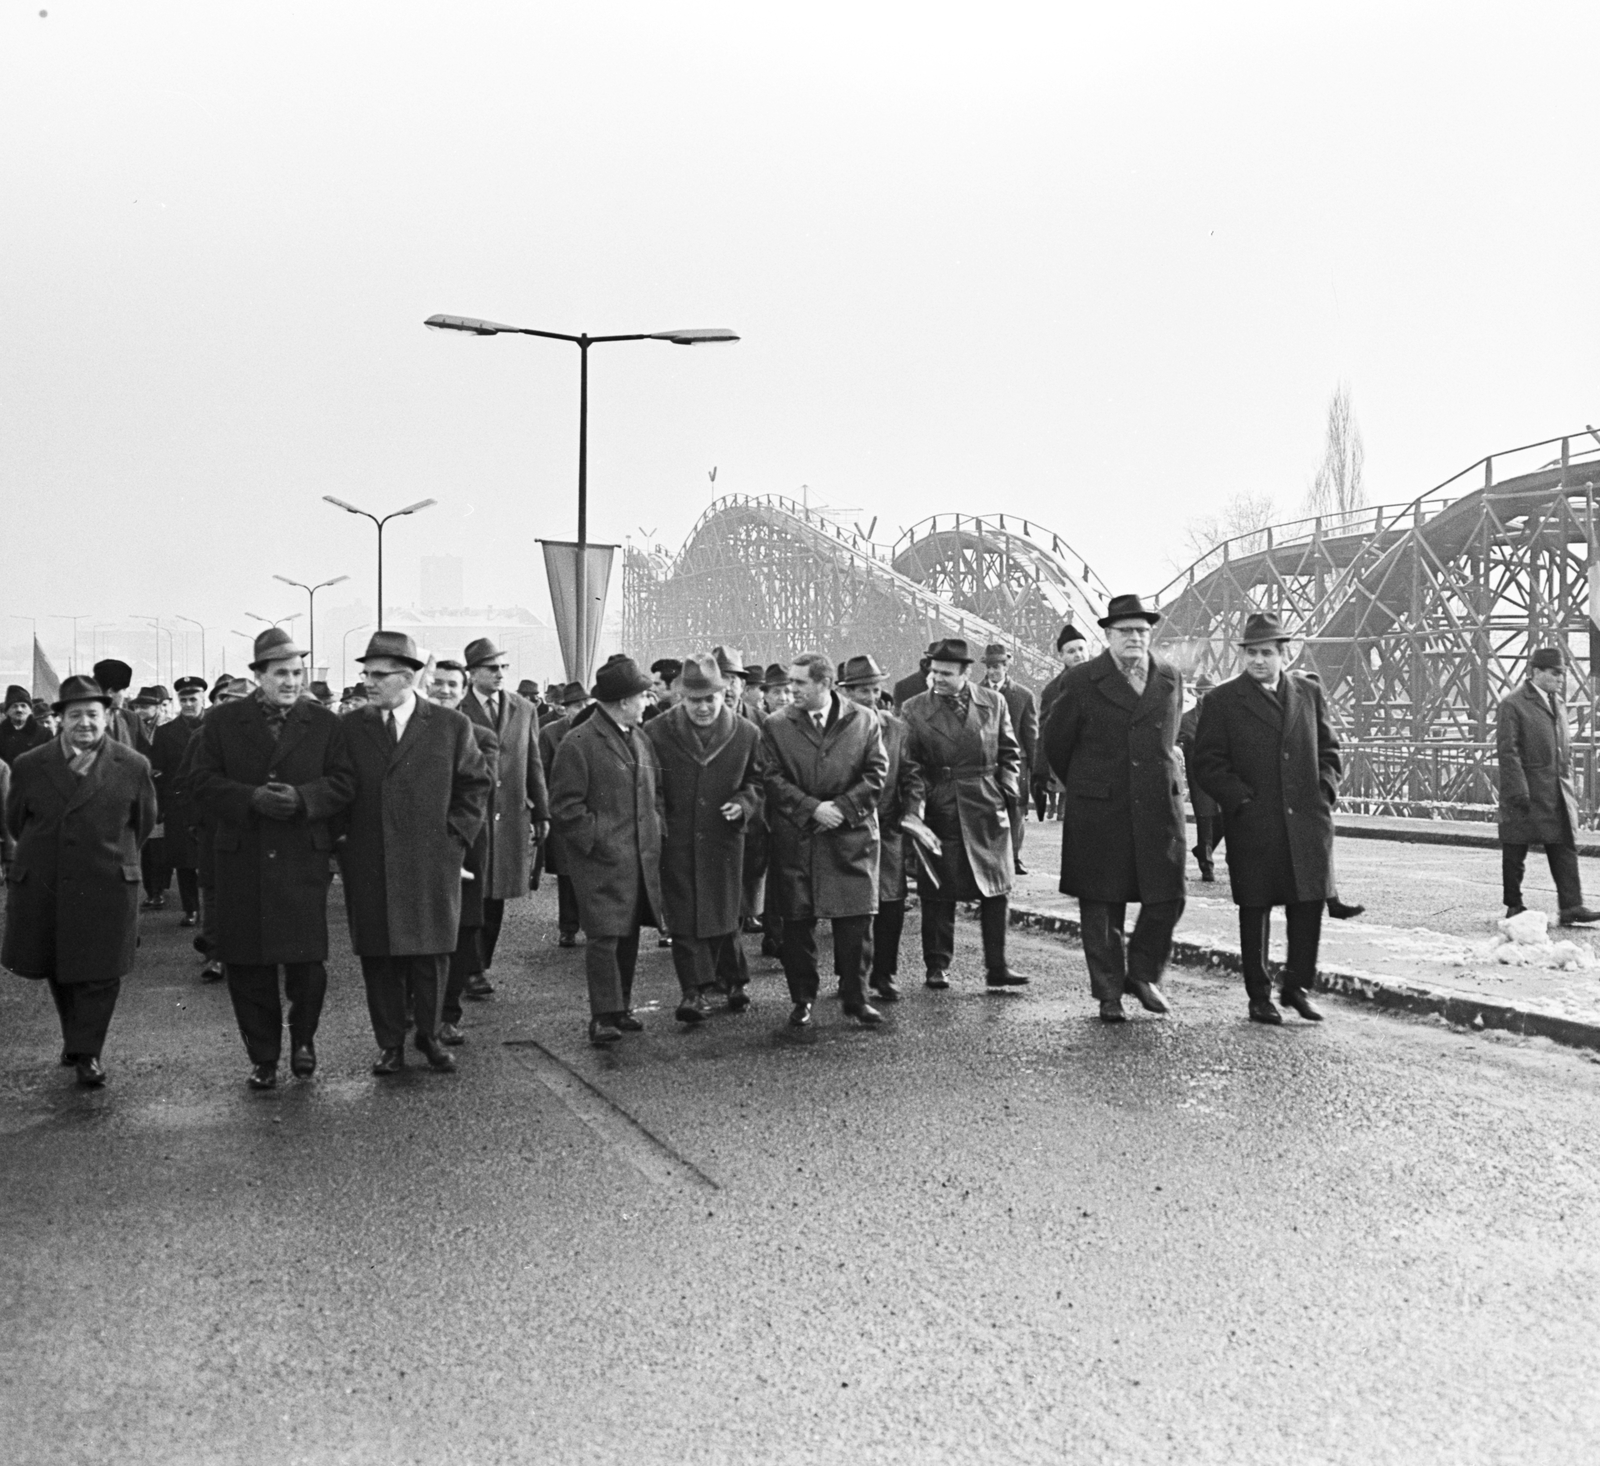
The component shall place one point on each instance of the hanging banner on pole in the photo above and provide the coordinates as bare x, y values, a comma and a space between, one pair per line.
578, 575
45, 682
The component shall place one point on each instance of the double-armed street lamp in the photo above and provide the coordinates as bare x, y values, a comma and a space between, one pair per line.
351, 509
311, 620
698, 336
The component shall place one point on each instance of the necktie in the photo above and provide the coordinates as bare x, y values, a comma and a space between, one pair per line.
394, 732
1136, 677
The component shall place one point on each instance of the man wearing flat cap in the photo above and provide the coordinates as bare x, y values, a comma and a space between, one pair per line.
1024, 728
710, 786
607, 809
1111, 740
421, 791
79, 808
177, 813
270, 773
1266, 752
21, 730
115, 677
1538, 804
519, 806
960, 738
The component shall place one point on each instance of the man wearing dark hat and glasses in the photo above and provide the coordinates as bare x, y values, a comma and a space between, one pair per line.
1538, 804
79, 808
1111, 740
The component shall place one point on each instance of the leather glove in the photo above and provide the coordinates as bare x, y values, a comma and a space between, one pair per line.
276, 801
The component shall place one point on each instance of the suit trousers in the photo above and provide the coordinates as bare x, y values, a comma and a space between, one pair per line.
884, 954
939, 933
154, 866
466, 962
566, 906
254, 993
85, 1010
1563, 871
1304, 920
851, 935
390, 980
189, 890
704, 962
1018, 813
1207, 836
1111, 968
494, 912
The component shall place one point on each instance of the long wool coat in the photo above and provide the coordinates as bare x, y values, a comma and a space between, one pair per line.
1203, 805
1024, 720
173, 801
551, 732
970, 766
72, 908
1115, 753
813, 872
15, 741
605, 800
518, 782
902, 793
702, 854
1538, 805
476, 863
1274, 768
271, 876
418, 807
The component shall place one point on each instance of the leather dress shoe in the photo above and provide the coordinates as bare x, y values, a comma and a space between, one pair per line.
935, 979
189, 919
1111, 1011
770, 948
866, 1015
212, 972
91, 1073
663, 941
1021, 869
478, 988
1004, 977
602, 1032
568, 939
203, 945
1514, 911
1266, 1011
886, 991
390, 1061
1342, 911
263, 1076
1208, 875
428, 1047
693, 1009
303, 1059
800, 1016
1579, 916
66, 1061
1150, 997
149, 904
628, 1023
450, 1034
1297, 999
738, 999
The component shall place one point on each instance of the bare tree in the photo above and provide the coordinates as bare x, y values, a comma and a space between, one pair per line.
1244, 519
1337, 486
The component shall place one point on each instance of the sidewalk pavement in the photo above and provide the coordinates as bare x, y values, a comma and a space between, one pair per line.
1390, 963
1483, 834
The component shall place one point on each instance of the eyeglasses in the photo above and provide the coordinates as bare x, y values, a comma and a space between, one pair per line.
372, 676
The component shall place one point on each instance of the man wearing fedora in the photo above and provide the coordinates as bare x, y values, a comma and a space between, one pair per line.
606, 808
824, 766
1538, 805
519, 806
270, 773
115, 677
960, 738
421, 791
1266, 752
575, 707
79, 808
1111, 740
1024, 728
177, 814
21, 729
710, 786
1207, 812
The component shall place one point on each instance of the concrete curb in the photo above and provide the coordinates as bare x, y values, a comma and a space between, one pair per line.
1381, 992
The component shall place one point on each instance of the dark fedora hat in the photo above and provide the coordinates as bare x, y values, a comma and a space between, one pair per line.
1126, 608
189, 684
322, 692
113, 675
481, 652
396, 646
1069, 632
776, 675
1546, 659
857, 670
730, 661
219, 687
669, 669
528, 688
79, 689
701, 675
15, 694
618, 679
996, 653
951, 649
572, 694
1262, 626
274, 645
145, 698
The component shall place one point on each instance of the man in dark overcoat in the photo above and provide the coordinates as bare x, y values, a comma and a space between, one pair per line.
913, 684
710, 786
1267, 754
1111, 740
605, 802
1024, 728
20, 730
1207, 812
271, 772
177, 814
421, 791
226, 689
1538, 805
575, 705
823, 765
960, 737
79, 808
115, 677
519, 807
1074, 651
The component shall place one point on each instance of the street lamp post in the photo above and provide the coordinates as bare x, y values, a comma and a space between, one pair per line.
311, 623
344, 653
205, 670
57, 616
692, 337
156, 622
351, 509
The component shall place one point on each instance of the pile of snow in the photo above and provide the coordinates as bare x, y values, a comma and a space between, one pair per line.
1524, 941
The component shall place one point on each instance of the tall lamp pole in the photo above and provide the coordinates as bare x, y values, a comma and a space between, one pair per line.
351, 509
57, 616
692, 337
311, 623
344, 652
205, 671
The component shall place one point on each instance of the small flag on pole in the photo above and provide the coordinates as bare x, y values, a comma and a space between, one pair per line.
45, 682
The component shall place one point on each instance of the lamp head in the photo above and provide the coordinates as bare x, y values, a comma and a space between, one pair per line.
470, 324
696, 336
420, 504
340, 503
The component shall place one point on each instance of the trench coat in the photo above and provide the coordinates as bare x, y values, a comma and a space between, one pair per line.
173, 802
476, 863
1115, 753
550, 735
702, 854
1538, 805
605, 799
902, 794
418, 806
271, 876
1203, 805
812, 872
72, 898
970, 768
518, 784
1274, 768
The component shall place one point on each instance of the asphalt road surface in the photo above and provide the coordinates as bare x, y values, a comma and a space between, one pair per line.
996, 1231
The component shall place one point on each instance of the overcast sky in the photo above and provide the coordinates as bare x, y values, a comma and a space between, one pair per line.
1097, 265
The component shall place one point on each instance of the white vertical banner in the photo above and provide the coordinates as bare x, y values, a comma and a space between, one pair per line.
578, 575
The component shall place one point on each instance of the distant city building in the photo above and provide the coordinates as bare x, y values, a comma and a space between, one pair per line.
529, 640
442, 583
